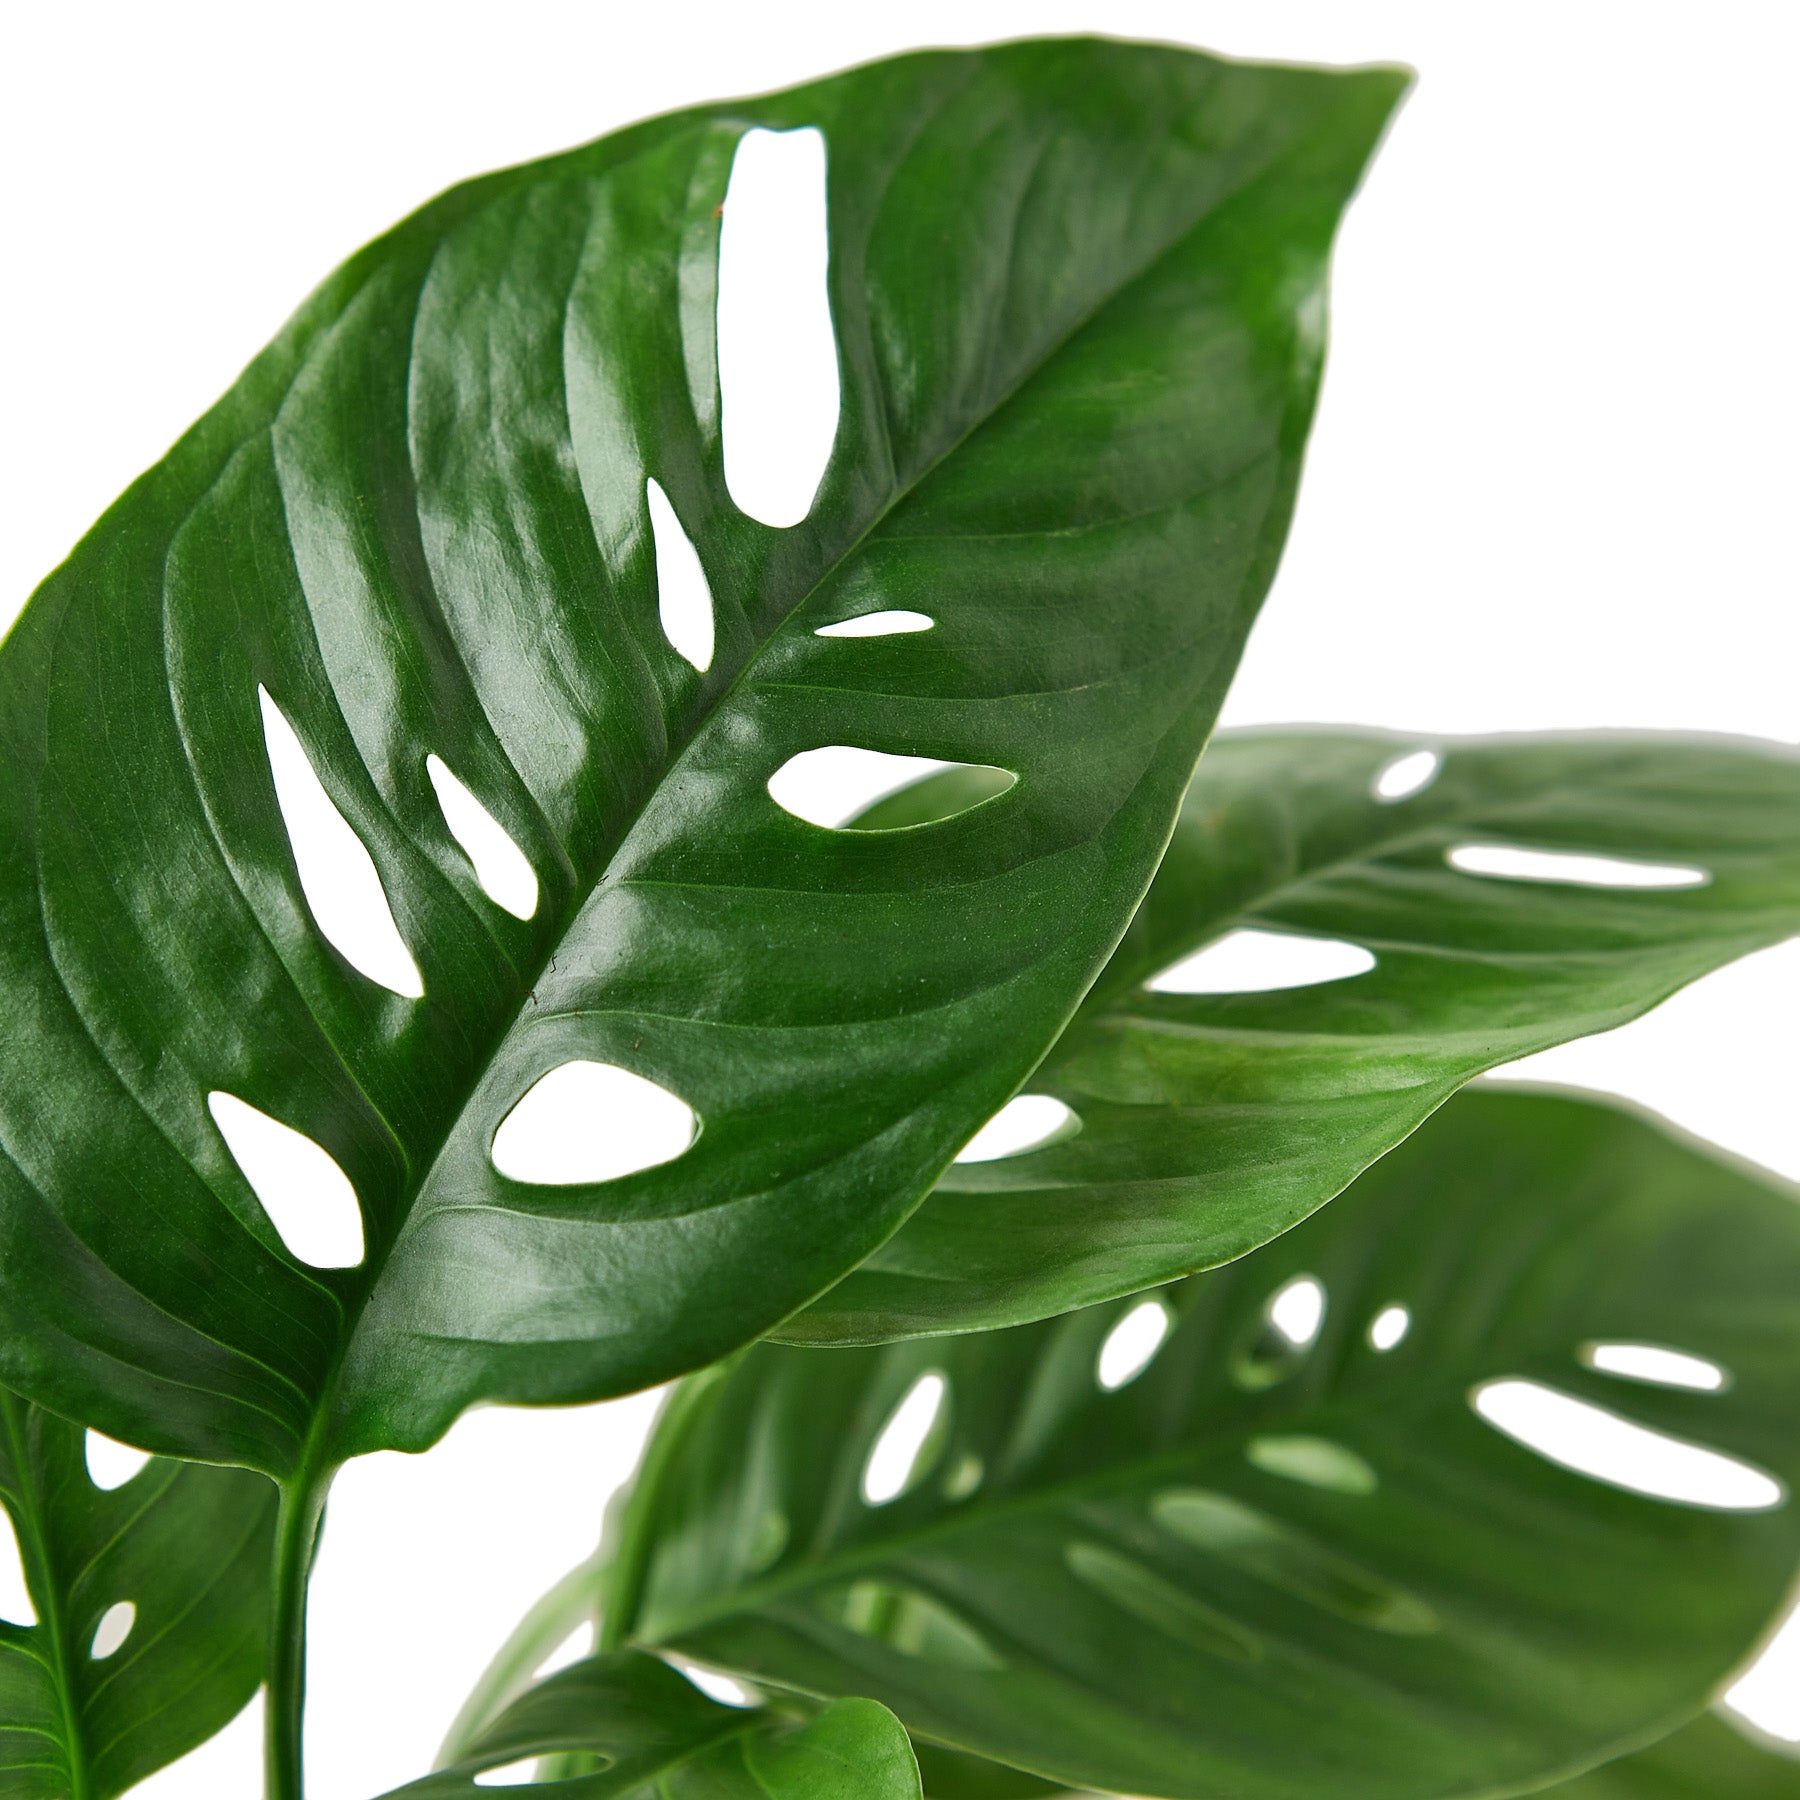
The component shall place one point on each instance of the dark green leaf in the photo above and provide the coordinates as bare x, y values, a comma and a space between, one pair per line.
1077, 291
1270, 1566
1210, 1123
656, 1738
186, 1548
1708, 1760
955, 1775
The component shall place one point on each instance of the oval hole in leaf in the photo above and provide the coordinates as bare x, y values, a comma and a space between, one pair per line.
913, 1623
1314, 1462
1389, 1326
715, 1684
903, 1453
1506, 862
1280, 1337
1132, 1343
337, 874
778, 369
1406, 775
684, 601
965, 1477
831, 785
591, 1121
15, 1595
1248, 961
578, 1644
1297, 1310
1275, 1552
1025, 1122
513, 1774
1591, 1441
308, 1198
1138, 1590
111, 1464
878, 624
114, 1628
1656, 1365
506, 877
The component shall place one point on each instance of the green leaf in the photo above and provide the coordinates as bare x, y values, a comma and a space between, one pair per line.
1270, 1564
655, 1737
955, 1775
1078, 299
92, 1698
1211, 1123
1710, 1759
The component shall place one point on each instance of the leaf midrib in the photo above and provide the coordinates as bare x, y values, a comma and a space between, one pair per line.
356, 1305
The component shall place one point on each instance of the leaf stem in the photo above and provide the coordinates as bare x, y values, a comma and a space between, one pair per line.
571, 1603
297, 1522
47, 1594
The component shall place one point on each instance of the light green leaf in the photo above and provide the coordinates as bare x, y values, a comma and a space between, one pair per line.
149, 1600
1077, 291
1209, 1123
1710, 1759
655, 1737
1282, 1558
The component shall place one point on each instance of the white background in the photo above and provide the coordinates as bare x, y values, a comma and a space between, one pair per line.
1551, 485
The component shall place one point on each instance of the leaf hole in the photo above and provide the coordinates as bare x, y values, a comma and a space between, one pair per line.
307, 1196
1280, 1337
778, 369
830, 786
1657, 1366
577, 1645
1268, 1548
337, 874
965, 1476
1297, 1310
915, 1624
1248, 961
506, 876
1313, 1462
591, 1121
684, 601
15, 1592
520, 1773
1507, 862
1025, 1122
1389, 1327
1152, 1600
715, 1684
1132, 1344
766, 1541
111, 1464
1406, 775
1605, 1447
112, 1631
909, 1443
878, 624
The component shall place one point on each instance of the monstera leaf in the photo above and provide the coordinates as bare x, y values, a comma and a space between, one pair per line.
1509, 893
150, 1602
1307, 1548
652, 1736
1076, 290
1710, 1759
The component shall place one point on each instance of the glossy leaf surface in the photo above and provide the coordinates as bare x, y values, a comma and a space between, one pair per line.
657, 1738
1077, 294
1211, 1122
1280, 1559
1708, 1760
93, 1699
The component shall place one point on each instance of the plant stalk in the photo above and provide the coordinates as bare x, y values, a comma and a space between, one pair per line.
297, 1522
